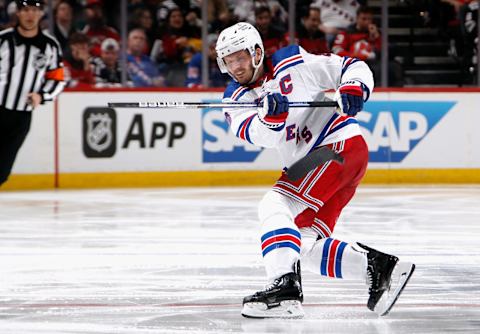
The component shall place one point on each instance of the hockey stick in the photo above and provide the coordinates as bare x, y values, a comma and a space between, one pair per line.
309, 162
297, 171
201, 105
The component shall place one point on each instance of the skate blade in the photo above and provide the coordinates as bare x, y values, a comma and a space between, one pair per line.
400, 276
287, 309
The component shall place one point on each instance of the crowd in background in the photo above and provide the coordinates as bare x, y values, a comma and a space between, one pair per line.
164, 37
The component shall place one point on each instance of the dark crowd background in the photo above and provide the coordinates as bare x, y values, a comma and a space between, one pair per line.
430, 42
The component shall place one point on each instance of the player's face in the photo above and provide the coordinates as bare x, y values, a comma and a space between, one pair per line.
239, 64
29, 17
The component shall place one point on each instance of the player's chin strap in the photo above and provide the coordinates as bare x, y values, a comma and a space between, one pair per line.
256, 67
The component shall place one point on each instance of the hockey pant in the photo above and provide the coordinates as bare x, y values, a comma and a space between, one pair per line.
294, 215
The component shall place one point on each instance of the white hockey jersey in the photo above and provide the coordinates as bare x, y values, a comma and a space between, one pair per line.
300, 76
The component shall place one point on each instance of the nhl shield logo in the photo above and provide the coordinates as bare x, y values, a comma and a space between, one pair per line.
99, 128
99, 131
39, 61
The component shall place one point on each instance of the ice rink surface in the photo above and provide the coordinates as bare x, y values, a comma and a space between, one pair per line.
181, 260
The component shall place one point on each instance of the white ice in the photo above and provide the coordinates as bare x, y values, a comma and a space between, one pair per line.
181, 260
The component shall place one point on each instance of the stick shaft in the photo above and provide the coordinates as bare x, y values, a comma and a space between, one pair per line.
201, 105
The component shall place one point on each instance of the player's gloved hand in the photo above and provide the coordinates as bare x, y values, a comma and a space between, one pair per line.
274, 111
349, 97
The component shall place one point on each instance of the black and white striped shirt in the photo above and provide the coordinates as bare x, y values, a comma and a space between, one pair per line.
28, 65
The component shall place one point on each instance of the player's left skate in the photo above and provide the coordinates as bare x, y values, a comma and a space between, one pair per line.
387, 277
281, 299
399, 279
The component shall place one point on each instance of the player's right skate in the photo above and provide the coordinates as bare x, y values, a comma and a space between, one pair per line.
281, 299
387, 277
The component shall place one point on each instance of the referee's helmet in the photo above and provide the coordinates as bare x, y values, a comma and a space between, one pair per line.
34, 3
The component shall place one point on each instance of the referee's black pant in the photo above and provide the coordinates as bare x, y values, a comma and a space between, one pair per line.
14, 127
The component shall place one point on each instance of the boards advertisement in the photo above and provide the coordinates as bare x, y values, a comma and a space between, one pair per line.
404, 130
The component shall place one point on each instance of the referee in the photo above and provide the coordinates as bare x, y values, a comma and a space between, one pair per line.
31, 73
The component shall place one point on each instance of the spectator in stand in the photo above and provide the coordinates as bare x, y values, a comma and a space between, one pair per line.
336, 15
108, 72
163, 8
179, 39
194, 72
96, 28
143, 18
175, 45
141, 69
135, 4
218, 14
445, 16
273, 38
468, 14
63, 27
4, 17
362, 40
10, 19
309, 35
439, 13
243, 12
78, 70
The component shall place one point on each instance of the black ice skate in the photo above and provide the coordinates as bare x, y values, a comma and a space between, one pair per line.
386, 277
281, 299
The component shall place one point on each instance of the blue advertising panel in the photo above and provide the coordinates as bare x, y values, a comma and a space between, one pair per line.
219, 144
392, 130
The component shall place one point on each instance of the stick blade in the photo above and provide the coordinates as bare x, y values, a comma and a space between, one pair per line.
309, 162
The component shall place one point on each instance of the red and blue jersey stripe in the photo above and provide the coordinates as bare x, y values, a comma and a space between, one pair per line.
339, 123
235, 91
331, 264
281, 238
335, 123
243, 131
285, 58
347, 62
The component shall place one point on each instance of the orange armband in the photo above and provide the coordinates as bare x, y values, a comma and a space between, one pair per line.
56, 74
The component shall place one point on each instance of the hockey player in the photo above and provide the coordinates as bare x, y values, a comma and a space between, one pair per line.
298, 218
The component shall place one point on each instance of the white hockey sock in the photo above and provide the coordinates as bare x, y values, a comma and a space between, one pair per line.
280, 237
335, 258
281, 242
